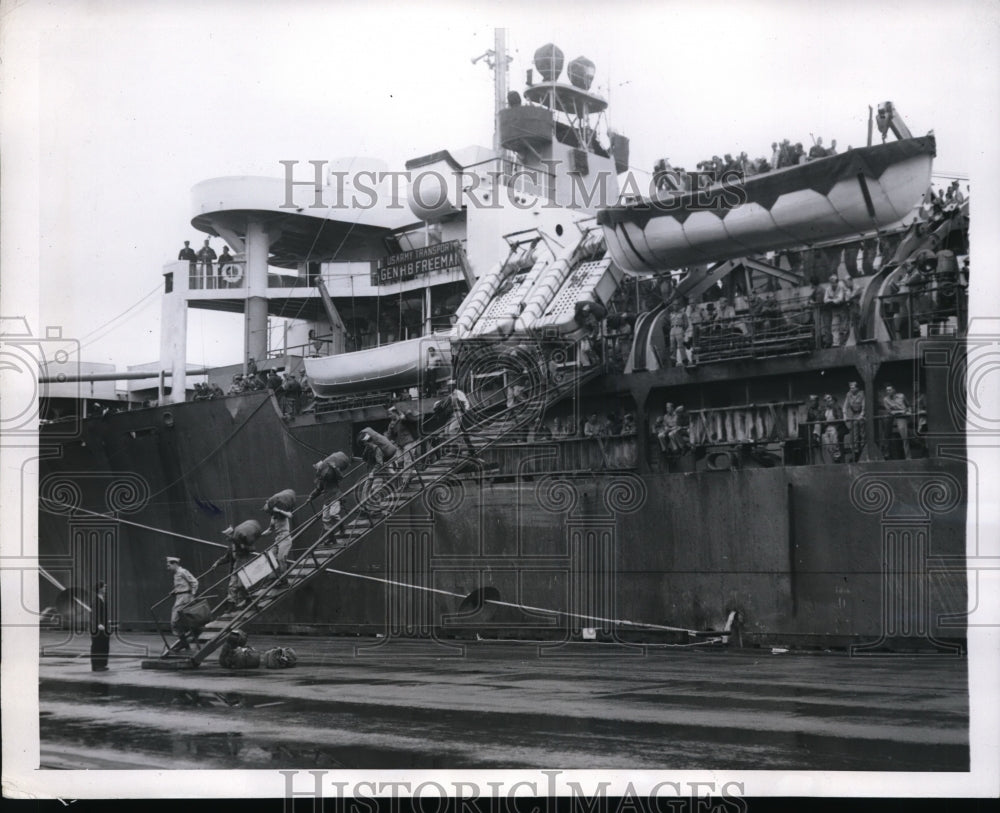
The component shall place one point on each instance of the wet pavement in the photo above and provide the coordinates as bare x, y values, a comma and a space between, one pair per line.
410, 704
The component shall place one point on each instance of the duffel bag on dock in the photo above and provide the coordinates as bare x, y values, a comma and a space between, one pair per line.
280, 657
240, 657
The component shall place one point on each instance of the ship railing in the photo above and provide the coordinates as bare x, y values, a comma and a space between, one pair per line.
216, 276
786, 439
762, 431
781, 332
563, 454
933, 308
844, 439
324, 406
482, 427
319, 346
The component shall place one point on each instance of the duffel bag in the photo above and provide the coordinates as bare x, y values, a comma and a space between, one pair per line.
339, 461
243, 657
226, 656
195, 615
280, 657
285, 500
388, 448
247, 532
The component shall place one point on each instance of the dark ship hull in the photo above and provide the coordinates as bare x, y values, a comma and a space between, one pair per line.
560, 538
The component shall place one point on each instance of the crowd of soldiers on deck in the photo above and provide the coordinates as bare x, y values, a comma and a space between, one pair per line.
831, 430
292, 391
668, 178
824, 311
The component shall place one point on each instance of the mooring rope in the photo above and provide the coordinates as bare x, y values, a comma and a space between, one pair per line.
395, 583
146, 527
516, 605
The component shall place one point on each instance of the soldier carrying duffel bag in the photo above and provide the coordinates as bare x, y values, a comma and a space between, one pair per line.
193, 617
329, 474
377, 449
241, 538
280, 506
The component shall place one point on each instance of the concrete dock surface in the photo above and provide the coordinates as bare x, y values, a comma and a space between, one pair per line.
353, 703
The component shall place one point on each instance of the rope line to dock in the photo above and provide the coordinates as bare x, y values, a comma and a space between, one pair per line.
498, 602
146, 527
622, 622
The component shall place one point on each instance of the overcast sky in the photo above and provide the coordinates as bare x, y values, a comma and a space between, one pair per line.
138, 101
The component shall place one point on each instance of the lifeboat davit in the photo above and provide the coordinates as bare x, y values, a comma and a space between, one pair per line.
856, 192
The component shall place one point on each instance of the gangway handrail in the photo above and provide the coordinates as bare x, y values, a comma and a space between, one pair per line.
204, 592
519, 415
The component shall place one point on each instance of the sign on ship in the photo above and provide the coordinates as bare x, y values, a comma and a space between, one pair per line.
408, 265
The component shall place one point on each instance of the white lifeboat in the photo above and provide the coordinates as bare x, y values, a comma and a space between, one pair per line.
853, 193
392, 366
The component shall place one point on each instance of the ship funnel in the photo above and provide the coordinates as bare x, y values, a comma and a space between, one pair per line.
549, 62
581, 72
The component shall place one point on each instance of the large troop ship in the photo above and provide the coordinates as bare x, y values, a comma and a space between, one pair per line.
637, 454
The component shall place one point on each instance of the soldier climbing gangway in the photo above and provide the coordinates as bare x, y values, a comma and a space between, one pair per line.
466, 433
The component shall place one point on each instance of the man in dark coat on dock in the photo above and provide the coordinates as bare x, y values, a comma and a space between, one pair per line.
100, 632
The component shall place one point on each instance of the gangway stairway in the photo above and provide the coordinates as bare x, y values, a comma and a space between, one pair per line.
446, 455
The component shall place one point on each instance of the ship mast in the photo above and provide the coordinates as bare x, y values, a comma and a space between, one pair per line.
497, 61
500, 63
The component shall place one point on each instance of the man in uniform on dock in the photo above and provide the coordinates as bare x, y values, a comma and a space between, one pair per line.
185, 587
